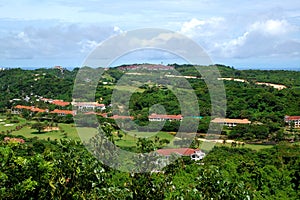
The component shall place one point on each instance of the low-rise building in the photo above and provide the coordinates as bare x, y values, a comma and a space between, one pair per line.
84, 106
194, 154
295, 120
230, 122
156, 117
63, 112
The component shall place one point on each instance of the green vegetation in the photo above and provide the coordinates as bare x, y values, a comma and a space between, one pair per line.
65, 170
261, 163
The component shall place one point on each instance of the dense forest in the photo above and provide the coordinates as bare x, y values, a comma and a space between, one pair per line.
66, 170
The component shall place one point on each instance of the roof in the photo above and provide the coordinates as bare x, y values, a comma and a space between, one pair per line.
31, 108
88, 104
227, 120
156, 116
121, 117
60, 103
66, 112
23, 107
288, 118
180, 151
38, 110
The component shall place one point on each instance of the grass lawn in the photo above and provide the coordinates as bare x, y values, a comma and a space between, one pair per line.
125, 88
66, 131
71, 132
256, 147
129, 140
4, 121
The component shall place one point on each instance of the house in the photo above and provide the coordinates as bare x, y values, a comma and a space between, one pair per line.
230, 122
38, 110
194, 154
293, 119
83, 106
18, 108
60, 103
63, 112
156, 117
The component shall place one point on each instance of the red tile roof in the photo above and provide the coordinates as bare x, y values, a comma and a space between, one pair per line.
156, 116
180, 151
38, 110
66, 112
288, 118
60, 103
31, 108
23, 107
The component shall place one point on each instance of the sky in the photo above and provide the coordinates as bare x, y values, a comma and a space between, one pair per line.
243, 34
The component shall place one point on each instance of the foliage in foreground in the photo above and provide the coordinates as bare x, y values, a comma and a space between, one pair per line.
65, 170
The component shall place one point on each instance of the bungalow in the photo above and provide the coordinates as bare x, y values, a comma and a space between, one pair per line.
294, 119
18, 108
230, 122
156, 117
194, 154
63, 112
60, 103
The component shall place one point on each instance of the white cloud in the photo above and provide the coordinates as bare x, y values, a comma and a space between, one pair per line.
61, 41
272, 27
196, 27
263, 38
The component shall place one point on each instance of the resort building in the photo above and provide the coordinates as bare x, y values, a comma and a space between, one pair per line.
63, 112
293, 119
230, 122
156, 117
84, 106
194, 154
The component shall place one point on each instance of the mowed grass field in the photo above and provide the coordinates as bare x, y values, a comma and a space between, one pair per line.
69, 131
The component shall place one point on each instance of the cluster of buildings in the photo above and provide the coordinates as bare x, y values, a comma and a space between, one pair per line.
17, 110
78, 106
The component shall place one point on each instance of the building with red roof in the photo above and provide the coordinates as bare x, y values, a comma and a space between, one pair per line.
63, 112
293, 119
30, 108
195, 154
38, 110
60, 103
157, 117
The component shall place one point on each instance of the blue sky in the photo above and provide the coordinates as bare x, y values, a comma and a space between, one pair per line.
243, 34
